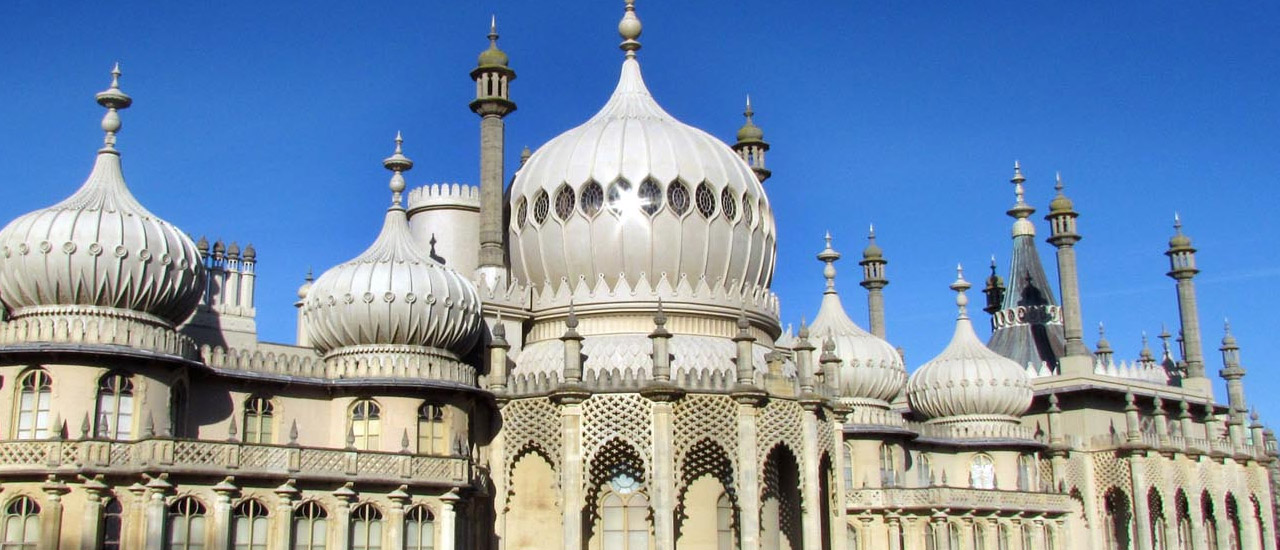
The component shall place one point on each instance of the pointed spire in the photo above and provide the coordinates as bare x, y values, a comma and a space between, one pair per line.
398, 164
629, 28
113, 99
1103, 345
493, 29
1145, 356
829, 257
960, 286
1020, 210
994, 290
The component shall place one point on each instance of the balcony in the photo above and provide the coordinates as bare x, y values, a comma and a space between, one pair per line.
212, 458
956, 499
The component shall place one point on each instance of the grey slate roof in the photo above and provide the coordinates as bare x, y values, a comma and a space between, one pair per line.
1038, 337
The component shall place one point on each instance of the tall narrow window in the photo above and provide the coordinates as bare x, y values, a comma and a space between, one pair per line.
178, 409
1026, 472
366, 528
724, 524
848, 468
924, 470
310, 527
21, 528
366, 424
1233, 519
258, 416
982, 473
115, 407
112, 514
419, 529
433, 433
1155, 510
624, 513
1183, 509
186, 525
1117, 515
1210, 521
35, 396
650, 197
888, 467
250, 526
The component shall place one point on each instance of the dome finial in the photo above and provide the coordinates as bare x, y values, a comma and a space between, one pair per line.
829, 257
398, 164
630, 29
493, 29
749, 112
113, 99
960, 286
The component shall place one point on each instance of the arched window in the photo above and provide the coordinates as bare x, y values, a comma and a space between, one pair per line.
310, 527
115, 407
1155, 510
250, 526
678, 197
522, 213
366, 528
1183, 509
724, 524
1233, 519
924, 470
1115, 523
982, 472
366, 424
888, 467
650, 197
112, 514
1210, 521
21, 529
433, 432
620, 198
848, 468
592, 198
258, 417
624, 514
541, 205
1028, 541
1026, 472
419, 529
186, 525
178, 409
1257, 517
35, 396
705, 200
564, 202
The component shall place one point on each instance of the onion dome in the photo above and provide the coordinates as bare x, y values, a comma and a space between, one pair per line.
1179, 241
1060, 203
749, 131
872, 251
634, 194
871, 371
968, 382
493, 57
100, 252
393, 299
306, 286
250, 253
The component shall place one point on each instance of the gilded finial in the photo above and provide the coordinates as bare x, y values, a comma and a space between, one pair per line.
629, 28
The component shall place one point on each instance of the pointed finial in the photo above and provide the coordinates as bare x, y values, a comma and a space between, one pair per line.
804, 329
1177, 222
525, 153
571, 322
1017, 173
749, 112
829, 256
397, 163
1057, 185
871, 231
993, 264
293, 432
493, 28
660, 318
113, 99
311, 278
629, 28
960, 286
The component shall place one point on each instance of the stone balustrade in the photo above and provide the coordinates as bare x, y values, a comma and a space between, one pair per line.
85, 327
954, 498
213, 458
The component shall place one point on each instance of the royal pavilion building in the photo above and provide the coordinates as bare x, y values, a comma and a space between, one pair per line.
584, 353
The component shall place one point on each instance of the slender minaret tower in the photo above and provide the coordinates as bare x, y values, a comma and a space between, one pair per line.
1182, 269
994, 290
751, 144
1233, 373
493, 78
1062, 235
874, 280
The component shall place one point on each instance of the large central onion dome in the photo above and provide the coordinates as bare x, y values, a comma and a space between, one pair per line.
635, 195
968, 382
99, 252
393, 306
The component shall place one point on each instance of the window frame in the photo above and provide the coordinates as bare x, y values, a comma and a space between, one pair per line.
34, 402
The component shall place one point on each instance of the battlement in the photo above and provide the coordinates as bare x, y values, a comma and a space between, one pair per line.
444, 195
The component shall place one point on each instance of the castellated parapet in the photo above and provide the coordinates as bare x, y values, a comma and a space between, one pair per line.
445, 219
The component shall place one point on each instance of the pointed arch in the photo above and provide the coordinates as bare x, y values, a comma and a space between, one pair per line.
419, 528
310, 526
31, 410
20, 528
185, 528
1117, 519
250, 525
707, 459
780, 507
1158, 521
616, 468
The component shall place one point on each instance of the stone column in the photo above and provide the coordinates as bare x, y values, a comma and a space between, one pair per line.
1063, 236
895, 534
221, 524
747, 474
491, 169
157, 489
135, 522
51, 515
395, 517
1141, 515
571, 472
286, 494
664, 498
448, 522
342, 516
809, 492
91, 528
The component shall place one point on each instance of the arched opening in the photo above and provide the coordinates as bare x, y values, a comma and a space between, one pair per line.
982, 472
310, 526
21, 527
250, 526
1210, 520
366, 527
114, 411
258, 416
109, 538
1155, 509
825, 499
888, 466
1183, 509
178, 409
1233, 520
1116, 519
433, 431
1026, 472
780, 512
186, 525
419, 529
619, 502
706, 500
1257, 518
532, 516
924, 470
365, 424
31, 410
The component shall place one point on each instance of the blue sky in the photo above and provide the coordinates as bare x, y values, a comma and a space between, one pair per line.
266, 122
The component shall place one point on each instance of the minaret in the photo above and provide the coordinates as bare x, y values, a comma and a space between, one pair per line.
873, 280
1182, 269
751, 144
492, 103
1062, 235
1104, 353
994, 290
1233, 372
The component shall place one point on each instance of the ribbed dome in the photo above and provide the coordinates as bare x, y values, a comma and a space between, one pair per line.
871, 370
967, 381
100, 248
393, 295
634, 191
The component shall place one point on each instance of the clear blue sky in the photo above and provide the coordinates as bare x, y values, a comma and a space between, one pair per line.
266, 122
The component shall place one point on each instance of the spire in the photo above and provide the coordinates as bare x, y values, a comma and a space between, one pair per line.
113, 99
994, 289
1182, 269
397, 163
494, 56
1020, 210
874, 280
751, 145
1063, 236
960, 286
629, 28
493, 77
1145, 356
829, 257
1103, 352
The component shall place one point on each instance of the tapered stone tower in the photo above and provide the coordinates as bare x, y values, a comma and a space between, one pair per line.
493, 102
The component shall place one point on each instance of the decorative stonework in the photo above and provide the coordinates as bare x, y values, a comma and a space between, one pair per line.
90, 327
780, 422
532, 425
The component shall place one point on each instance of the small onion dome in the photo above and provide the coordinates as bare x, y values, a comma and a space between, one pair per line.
493, 56
100, 248
872, 251
306, 286
250, 253
871, 370
1060, 203
393, 296
968, 381
749, 132
1178, 241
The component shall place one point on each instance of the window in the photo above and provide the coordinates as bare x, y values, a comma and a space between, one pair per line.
178, 409
564, 202
624, 513
433, 433
258, 413
366, 424
1233, 518
924, 471
541, 204
888, 467
250, 526
419, 529
592, 198
115, 407
848, 468
678, 197
724, 524
1183, 509
366, 528
1210, 521
706, 200
186, 525
310, 527
522, 213
110, 537
21, 529
650, 197
747, 216
982, 473
1155, 510
621, 199
1026, 472
1116, 517
728, 204
35, 395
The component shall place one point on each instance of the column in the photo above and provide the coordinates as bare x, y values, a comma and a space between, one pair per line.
51, 515
448, 522
663, 476
748, 474
134, 523
571, 473
809, 492
342, 516
283, 516
91, 526
221, 524
1141, 515
157, 488
395, 517
895, 534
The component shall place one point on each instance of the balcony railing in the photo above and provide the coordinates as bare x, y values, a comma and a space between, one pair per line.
955, 498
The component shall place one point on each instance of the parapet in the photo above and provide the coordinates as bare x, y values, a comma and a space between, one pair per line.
444, 195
